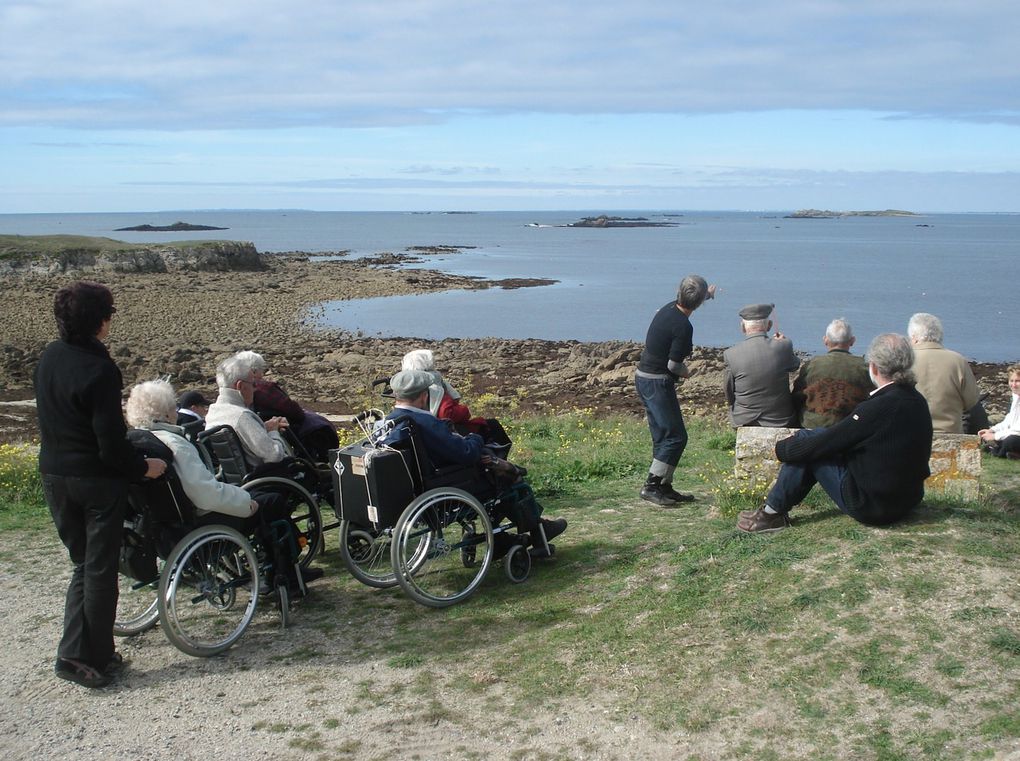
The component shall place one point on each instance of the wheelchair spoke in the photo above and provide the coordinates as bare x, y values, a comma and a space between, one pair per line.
442, 547
210, 592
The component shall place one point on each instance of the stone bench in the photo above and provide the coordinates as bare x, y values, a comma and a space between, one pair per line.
955, 461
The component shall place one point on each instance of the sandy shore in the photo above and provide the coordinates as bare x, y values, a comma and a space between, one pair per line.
182, 323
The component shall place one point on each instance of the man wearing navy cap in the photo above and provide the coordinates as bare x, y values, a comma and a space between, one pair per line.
757, 382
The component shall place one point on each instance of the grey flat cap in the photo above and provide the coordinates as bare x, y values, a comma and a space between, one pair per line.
756, 311
407, 384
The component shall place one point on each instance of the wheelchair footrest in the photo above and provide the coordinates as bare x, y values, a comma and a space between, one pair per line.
540, 552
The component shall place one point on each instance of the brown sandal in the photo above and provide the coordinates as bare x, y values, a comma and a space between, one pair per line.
80, 673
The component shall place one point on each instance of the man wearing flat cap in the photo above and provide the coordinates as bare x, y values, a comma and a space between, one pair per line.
757, 382
447, 447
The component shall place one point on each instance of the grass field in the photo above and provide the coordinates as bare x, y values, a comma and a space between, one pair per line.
827, 640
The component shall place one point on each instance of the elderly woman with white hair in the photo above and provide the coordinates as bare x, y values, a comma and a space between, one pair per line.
316, 433
152, 406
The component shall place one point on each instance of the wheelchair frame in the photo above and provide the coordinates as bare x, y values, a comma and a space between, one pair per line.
444, 541
207, 590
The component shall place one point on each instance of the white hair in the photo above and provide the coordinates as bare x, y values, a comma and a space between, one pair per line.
755, 326
255, 360
151, 402
419, 359
925, 327
839, 332
233, 369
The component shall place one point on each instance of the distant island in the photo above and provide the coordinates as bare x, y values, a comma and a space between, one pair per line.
607, 221
176, 227
817, 214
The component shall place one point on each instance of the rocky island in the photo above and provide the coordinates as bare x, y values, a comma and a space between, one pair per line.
818, 214
607, 221
176, 227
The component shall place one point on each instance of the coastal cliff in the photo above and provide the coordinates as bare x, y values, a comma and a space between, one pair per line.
55, 254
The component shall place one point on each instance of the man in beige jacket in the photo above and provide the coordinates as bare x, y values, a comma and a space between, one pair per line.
943, 377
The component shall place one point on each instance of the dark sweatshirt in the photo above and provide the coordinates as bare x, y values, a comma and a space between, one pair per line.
78, 395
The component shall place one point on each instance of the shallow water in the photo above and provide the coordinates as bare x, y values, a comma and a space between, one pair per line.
875, 272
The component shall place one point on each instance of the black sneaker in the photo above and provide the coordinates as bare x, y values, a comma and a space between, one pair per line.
654, 495
668, 491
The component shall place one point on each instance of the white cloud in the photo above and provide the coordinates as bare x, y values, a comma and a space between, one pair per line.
199, 65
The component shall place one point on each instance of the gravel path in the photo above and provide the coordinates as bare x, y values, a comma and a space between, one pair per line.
303, 693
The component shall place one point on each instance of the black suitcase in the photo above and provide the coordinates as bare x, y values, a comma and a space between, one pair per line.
372, 486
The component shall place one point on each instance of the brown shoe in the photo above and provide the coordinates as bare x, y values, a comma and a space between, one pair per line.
760, 522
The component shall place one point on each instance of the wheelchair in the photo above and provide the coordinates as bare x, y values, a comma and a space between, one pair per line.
300, 480
435, 532
201, 581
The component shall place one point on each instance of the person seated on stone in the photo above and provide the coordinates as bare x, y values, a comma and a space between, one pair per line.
151, 407
829, 386
872, 463
316, 434
1003, 439
445, 403
261, 440
192, 407
757, 380
944, 377
447, 447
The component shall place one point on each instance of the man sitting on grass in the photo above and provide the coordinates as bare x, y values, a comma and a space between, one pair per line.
872, 463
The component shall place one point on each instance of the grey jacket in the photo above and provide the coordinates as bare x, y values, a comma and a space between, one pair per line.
757, 382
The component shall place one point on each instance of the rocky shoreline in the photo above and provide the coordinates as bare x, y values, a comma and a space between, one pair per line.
182, 322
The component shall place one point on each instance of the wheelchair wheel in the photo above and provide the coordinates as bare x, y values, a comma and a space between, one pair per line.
366, 554
517, 564
429, 542
209, 590
304, 513
137, 607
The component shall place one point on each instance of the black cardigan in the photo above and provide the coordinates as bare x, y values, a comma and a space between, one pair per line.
886, 444
78, 397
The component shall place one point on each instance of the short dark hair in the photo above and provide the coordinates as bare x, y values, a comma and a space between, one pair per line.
691, 292
81, 309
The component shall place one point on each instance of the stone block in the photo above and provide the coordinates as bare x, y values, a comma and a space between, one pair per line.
955, 462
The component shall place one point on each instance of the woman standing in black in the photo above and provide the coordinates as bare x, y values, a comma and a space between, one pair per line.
86, 462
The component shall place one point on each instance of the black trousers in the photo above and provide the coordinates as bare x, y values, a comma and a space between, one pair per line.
89, 516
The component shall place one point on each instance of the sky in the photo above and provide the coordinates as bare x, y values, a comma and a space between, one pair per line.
119, 105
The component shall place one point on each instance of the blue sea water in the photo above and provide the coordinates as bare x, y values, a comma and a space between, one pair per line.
874, 271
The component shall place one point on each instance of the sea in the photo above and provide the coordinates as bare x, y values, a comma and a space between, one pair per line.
873, 271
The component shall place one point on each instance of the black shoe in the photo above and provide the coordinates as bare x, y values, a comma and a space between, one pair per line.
669, 492
115, 664
541, 552
308, 575
553, 527
81, 673
656, 497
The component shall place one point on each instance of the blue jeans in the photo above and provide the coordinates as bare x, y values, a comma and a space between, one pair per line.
795, 480
665, 421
